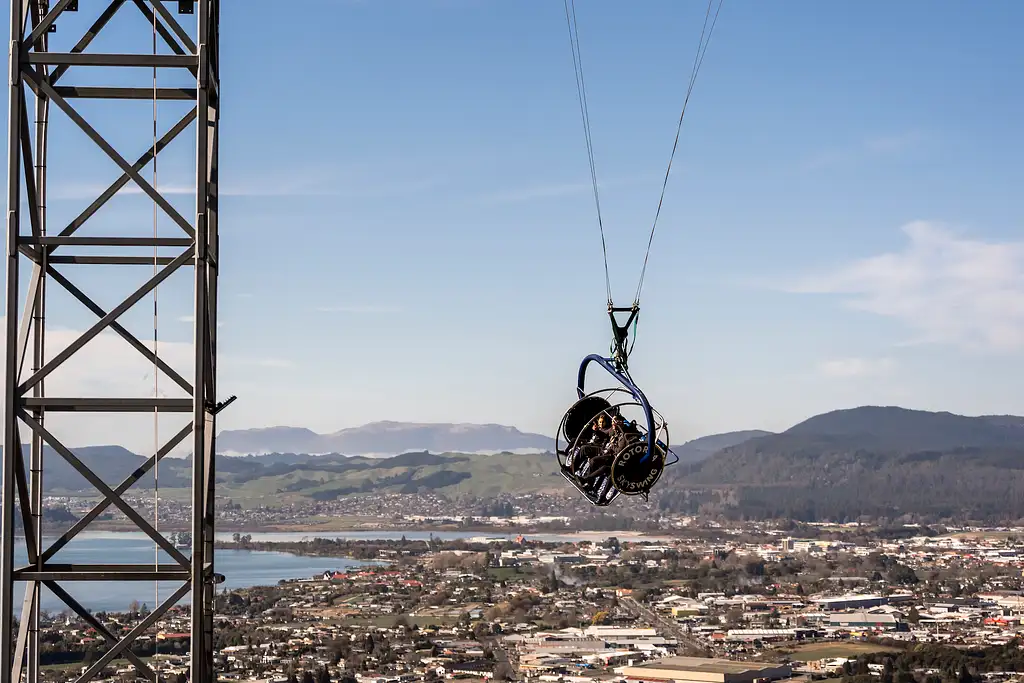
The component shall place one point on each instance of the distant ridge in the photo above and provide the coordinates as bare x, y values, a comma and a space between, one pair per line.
868, 462
895, 428
111, 463
388, 438
875, 461
706, 446
385, 438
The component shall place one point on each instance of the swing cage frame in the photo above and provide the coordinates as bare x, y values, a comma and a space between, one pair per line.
647, 455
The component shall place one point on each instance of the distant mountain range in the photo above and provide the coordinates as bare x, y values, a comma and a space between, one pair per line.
278, 451
865, 462
382, 439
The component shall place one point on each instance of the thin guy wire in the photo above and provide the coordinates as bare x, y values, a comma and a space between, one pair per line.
581, 92
702, 48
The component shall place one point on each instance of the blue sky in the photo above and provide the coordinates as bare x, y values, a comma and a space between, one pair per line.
408, 229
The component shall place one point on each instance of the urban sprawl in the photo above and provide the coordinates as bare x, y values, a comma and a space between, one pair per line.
718, 604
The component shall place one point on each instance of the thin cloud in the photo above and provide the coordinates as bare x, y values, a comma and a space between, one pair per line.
944, 288
107, 367
537, 192
884, 144
554, 190
358, 309
89, 191
266, 362
191, 319
309, 181
867, 148
846, 368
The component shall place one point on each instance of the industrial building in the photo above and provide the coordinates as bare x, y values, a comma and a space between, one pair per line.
857, 601
701, 670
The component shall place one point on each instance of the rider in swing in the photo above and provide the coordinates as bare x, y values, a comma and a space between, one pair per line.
615, 439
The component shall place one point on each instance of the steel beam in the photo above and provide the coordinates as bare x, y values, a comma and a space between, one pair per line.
110, 405
108, 93
205, 341
46, 72
12, 444
96, 59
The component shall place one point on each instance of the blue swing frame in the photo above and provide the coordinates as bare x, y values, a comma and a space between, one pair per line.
609, 365
617, 367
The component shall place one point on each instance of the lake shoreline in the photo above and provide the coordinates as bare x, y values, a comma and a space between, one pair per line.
242, 569
335, 529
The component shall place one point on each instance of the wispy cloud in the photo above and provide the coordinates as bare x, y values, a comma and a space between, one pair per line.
108, 367
62, 191
553, 190
328, 186
845, 368
526, 194
266, 362
191, 319
884, 144
358, 309
311, 180
947, 289
866, 148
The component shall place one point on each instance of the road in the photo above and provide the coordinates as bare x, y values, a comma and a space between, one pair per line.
669, 628
502, 655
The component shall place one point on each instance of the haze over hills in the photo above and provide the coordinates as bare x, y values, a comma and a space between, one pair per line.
876, 461
283, 453
112, 464
706, 446
868, 461
385, 438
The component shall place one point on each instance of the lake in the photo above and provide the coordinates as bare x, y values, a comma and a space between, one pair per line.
241, 568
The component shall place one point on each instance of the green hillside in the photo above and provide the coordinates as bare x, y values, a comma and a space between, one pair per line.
451, 474
865, 462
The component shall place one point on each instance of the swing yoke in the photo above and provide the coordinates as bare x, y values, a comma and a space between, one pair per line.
620, 334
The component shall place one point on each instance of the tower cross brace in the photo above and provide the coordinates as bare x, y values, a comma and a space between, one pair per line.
38, 85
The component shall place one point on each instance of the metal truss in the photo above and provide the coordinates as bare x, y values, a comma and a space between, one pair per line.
39, 74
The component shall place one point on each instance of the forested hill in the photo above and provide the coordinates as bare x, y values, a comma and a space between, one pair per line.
706, 446
877, 461
869, 461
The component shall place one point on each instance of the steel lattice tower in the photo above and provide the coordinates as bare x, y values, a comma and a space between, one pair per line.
38, 260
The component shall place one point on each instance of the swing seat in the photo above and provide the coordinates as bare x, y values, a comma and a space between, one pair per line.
638, 465
598, 490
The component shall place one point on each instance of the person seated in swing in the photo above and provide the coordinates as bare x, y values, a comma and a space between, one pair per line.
612, 442
599, 431
593, 440
628, 431
621, 435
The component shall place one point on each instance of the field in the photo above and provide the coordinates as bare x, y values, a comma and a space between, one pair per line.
505, 573
815, 651
473, 475
983, 535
